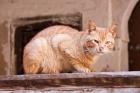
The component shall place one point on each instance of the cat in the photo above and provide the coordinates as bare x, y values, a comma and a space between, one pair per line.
62, 49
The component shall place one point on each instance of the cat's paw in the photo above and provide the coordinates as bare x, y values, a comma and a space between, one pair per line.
84, 70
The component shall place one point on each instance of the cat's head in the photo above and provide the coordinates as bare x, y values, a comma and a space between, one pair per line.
100, 40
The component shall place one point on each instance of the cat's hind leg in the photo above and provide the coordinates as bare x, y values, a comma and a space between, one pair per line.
34, 53
31, 66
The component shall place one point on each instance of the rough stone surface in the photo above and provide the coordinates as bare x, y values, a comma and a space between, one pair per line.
97, 10
13, 9
94, 90
4, 48
90, 9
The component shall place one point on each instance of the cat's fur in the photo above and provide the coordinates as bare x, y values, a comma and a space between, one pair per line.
64, 49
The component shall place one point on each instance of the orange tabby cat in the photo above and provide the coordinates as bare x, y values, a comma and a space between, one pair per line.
64, 49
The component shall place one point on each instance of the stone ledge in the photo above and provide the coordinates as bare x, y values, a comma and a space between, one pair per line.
68, 80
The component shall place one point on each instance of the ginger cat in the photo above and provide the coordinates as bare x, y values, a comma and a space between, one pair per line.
61, 48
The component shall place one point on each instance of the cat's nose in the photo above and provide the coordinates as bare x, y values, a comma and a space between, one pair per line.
101, 48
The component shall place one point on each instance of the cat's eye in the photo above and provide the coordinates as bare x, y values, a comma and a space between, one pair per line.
108, 42
96, 41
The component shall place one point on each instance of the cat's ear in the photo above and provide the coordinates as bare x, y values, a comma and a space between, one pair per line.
91, 26
113, 30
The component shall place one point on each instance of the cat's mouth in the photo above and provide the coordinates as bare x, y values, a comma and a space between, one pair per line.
100, 52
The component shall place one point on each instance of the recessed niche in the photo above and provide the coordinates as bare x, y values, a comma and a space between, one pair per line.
23, 29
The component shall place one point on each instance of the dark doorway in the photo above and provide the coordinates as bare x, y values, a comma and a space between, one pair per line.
134, 35
26, 28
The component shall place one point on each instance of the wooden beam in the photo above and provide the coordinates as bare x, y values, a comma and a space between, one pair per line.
101, 79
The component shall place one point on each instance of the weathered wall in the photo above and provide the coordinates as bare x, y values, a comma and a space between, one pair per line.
12, 9
103, 12
121, 12
91, 90
4, 48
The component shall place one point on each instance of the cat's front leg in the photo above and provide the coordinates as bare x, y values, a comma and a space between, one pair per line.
68, 48
80, 68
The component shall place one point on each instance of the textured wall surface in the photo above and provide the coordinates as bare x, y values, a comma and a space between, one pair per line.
104, 12
91, 9
4, 48
12, 9
103, 82
94, 90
